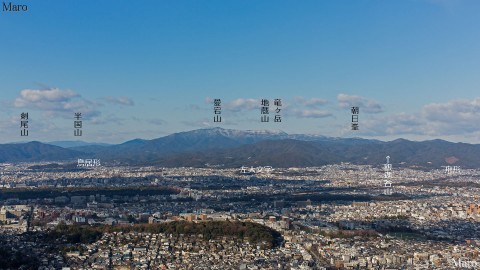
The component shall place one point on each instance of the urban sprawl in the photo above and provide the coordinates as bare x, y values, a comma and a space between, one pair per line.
58, 216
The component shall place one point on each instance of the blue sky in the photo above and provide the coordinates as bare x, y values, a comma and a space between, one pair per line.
150, 68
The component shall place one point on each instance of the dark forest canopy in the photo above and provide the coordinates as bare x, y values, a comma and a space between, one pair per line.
41, 193
253, 232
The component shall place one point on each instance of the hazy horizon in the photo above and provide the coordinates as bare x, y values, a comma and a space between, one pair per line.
246, 130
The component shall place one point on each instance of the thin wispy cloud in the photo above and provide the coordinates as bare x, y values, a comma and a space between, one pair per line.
41, 97
55, 102
203, 122
237, 105
312, 102
158, 122
119, 100
310, 113
452, 118
108, 119
243, 104
366, 105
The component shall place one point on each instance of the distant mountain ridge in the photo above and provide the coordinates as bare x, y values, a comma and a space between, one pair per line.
35, 151
69, 144
295, 153
234, 148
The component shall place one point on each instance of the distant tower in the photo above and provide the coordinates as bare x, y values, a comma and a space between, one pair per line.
388, 175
